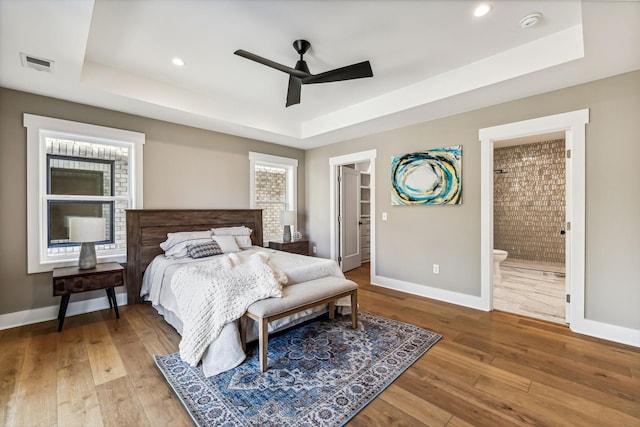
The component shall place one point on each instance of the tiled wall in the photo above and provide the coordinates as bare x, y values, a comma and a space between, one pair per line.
529, 201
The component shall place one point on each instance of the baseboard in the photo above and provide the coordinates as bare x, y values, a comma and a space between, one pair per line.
429, 292
591, 328
608, 332
42, 314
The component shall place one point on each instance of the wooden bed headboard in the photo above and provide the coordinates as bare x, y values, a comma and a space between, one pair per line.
147, 228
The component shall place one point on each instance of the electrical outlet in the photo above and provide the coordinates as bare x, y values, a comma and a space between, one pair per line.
384, 216
314, 250
436, 269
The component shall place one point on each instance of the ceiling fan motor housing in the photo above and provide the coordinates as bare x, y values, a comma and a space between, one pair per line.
301, 46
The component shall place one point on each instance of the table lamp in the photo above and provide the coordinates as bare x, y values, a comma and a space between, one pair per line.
87, 230
287, 218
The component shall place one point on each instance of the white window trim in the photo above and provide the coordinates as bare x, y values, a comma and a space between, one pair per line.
292, 179
40, 127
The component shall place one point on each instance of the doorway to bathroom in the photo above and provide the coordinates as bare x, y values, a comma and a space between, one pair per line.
529, 224
573, 125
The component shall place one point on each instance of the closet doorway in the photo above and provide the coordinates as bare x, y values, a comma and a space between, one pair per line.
352, 203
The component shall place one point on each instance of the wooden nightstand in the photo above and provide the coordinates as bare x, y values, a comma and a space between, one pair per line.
296, 247
70, 280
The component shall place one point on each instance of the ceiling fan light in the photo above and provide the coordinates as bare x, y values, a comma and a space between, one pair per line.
482, 10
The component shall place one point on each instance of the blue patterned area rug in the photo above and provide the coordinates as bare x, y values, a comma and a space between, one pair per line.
321, 373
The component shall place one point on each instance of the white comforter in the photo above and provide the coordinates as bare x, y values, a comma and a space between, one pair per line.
210, 295
225, 352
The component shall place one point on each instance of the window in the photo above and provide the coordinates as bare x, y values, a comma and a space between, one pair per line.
273, 189
78, 186
76, 169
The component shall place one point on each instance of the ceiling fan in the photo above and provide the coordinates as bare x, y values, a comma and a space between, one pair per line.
300, 75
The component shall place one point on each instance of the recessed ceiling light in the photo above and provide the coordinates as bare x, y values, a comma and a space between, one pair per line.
177, 61
482, 10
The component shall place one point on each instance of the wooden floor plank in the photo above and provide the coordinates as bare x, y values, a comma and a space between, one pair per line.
458, 361
77, 397
458, 422
36, 401
157, 336
414, 406
570, 386
601, 414
105, 361
12, 353
381, 413
532, 406
119, 404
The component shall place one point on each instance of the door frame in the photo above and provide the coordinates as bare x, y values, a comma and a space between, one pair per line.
334, 163
573, 124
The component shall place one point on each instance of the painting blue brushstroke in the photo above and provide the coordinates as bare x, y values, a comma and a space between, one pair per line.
432, 177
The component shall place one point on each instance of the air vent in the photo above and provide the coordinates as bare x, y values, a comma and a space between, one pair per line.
39, 64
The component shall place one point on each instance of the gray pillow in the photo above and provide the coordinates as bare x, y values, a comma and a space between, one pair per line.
202, 250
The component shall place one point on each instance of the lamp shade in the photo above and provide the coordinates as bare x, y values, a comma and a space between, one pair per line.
287, 217
86, 229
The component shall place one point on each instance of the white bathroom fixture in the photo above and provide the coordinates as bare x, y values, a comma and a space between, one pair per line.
498, 256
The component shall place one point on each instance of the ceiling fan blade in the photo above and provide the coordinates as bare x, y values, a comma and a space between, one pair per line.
293, 93
350, 72
272, 64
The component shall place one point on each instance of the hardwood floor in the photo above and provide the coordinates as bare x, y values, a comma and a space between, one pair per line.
490, 369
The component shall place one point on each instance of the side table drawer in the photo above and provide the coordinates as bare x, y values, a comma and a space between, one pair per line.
68, 285
300, 247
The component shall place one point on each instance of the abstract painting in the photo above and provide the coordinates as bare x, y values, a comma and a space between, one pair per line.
432, 177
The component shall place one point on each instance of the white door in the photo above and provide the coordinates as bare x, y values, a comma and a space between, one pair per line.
349, 218
567, 229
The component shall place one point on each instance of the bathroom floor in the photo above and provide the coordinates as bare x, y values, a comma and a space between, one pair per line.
531, 289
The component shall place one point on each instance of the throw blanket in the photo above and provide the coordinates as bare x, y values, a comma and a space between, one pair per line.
219, 291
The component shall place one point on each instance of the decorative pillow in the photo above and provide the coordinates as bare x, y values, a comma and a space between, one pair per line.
232, 231
202, 250
227, 243
177, 238
180, 250
243, 241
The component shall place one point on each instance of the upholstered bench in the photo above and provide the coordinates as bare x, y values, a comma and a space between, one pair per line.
297, 298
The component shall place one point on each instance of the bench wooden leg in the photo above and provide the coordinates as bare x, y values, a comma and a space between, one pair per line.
243, 332
332, 310
354, 309
263, 339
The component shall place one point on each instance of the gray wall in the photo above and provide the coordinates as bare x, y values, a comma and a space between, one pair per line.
184, 167
415, 237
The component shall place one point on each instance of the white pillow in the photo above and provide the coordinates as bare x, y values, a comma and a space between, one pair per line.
243, 241
176, 238
227, 243
232, 231
179, 250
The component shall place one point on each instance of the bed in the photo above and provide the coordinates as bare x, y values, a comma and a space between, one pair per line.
146, 229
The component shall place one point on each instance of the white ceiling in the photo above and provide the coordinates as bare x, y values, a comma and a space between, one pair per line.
429, 58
